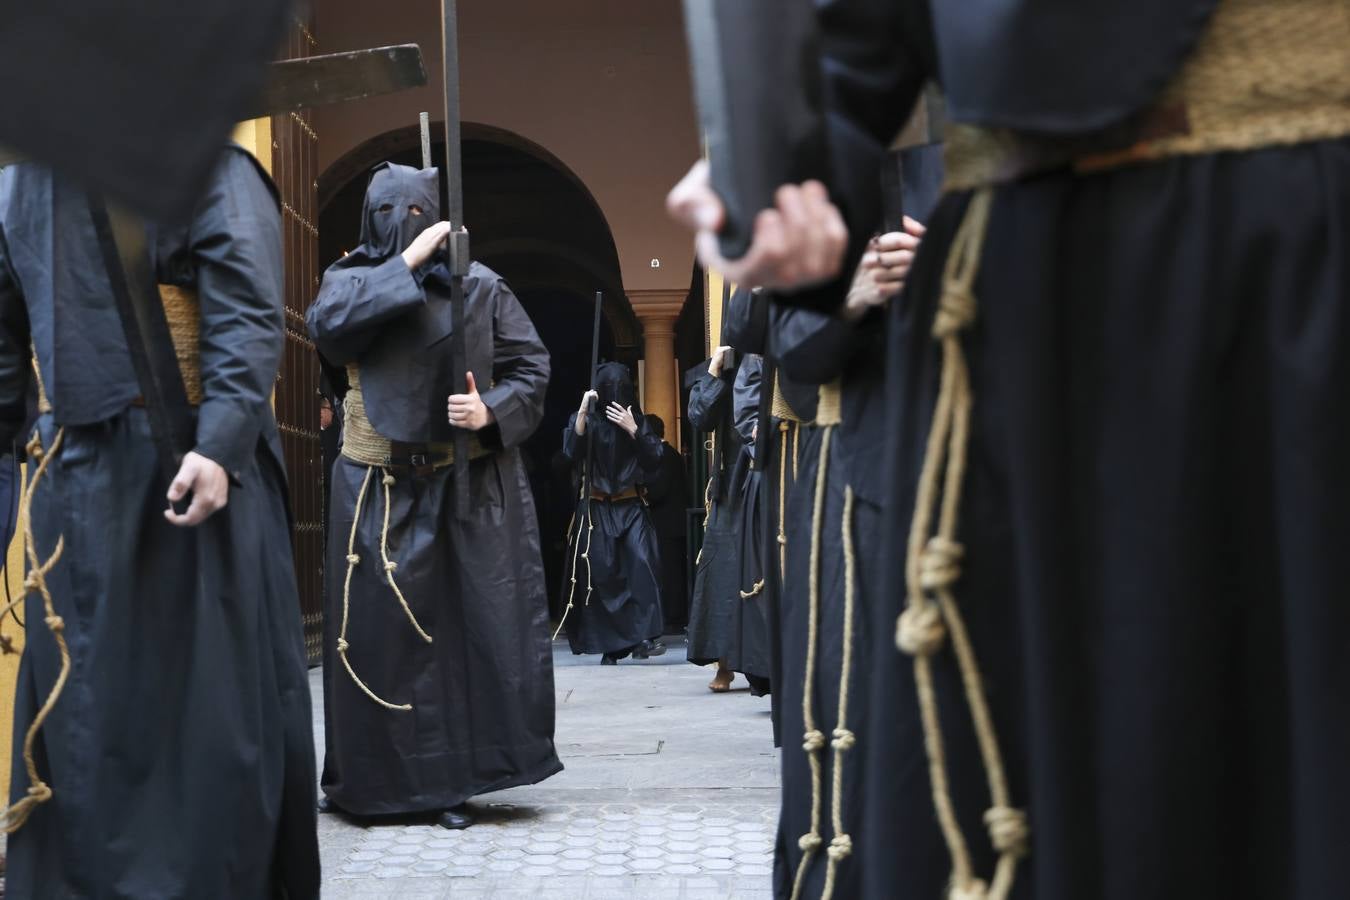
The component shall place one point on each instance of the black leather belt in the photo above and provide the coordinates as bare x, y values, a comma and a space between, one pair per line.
416, 459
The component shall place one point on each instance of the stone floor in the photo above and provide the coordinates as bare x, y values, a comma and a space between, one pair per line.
669, 792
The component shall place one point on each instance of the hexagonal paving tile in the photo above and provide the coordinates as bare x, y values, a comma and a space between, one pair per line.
576, 865
538, 847
646, 865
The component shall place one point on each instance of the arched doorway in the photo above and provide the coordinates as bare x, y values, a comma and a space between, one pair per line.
535, 223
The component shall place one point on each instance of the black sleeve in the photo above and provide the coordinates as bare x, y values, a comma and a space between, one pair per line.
235, 242
876, 56
520, 370
748, 381
708, 401
15, 355
573, 444
354, 301
811, 347
747, 325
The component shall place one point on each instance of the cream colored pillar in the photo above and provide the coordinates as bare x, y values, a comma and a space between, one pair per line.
657, 311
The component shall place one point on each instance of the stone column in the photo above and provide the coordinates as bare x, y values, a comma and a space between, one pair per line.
657, 311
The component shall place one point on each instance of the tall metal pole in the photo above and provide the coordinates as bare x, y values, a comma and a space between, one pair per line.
424, 121
458, 244
586, 479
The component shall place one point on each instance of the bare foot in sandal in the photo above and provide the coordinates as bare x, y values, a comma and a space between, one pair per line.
722, 682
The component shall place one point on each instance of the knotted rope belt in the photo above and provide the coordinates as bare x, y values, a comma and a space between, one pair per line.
1265, 74
363, 445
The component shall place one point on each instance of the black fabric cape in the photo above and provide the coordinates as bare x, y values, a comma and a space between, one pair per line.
180, 753
612, 550
482, 691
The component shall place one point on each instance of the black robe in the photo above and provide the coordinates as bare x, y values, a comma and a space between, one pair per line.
1155, 502
482, 690
717, 576
668, 498
754, 325
180, 753
750, 652
815, 349
612, 551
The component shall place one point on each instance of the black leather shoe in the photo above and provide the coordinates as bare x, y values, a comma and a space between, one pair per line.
457, 818
609, 659
649, 648
326, 806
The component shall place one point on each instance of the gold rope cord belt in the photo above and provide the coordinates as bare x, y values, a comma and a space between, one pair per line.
828, 417
183, 313
1265, 73
362, 444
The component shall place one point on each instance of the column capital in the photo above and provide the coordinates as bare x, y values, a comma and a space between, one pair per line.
653, 306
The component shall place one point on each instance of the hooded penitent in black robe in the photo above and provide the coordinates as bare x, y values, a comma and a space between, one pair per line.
179, 754
1155, 500
733, 622
481, 690
712, 608
612, 553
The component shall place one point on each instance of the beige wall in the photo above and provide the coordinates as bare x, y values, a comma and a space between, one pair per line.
601, 84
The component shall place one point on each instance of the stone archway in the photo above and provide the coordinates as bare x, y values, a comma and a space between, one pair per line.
535, 223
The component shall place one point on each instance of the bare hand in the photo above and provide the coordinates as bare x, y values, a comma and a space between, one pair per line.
425, 245
719, 361
883, 270
210, 487
798, 243
468, 410
623, 417
586, 400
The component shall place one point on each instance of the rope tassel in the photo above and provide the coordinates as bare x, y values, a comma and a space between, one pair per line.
576, 554
390, 567
39, 791
843, 740
931, 616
